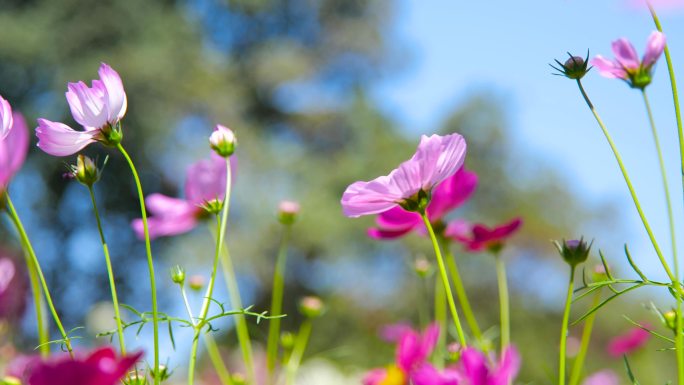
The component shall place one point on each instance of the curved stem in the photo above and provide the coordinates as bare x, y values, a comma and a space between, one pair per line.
504, 307
277, 303
41, 277
564, 328
110, 274
461, 293
43, 333
441, 318
150, 263
298, 351
578, 365
445, 281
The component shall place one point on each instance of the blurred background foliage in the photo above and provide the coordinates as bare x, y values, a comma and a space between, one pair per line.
292, 78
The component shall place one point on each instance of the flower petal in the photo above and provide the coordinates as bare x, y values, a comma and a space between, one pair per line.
171, 216
608, 68
364, 198
654, 48
115, 96
451, 193
58, 139
206, 180
13, 149
87, 104
5, 118
625, 54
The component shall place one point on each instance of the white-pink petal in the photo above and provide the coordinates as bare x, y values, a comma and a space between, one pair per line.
654, 48
86, 104
608, 68
115, 96
5, 118
625, 54
13, 150
58, 139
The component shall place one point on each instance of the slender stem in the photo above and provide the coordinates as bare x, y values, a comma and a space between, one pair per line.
110, 274
441, 318
461, 293
187, 306
564, 328
150, 263
632, 192
504, 307
277, 303
221, 224
578, 365
43, 333
216, 360
298, 350
679, 337
41, 277
445, 281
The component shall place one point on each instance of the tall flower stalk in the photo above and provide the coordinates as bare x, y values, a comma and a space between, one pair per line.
564, 328
578, 364
461, 293
504, 301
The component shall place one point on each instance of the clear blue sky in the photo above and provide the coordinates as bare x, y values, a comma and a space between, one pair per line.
505, 46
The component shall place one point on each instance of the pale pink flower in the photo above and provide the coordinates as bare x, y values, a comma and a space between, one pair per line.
627, 65
13, 149
629, 342
5, 118
436, 159
603, 377
98, 109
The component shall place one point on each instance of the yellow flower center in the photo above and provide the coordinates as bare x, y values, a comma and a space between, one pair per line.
394, 376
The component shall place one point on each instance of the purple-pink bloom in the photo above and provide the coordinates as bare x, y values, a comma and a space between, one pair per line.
5, 118
101, 367
436, 159
448, 195
627, 343
13, 289
603, 377
205, 182
13, 149
479, 237
98, 109
627, 65
476, 369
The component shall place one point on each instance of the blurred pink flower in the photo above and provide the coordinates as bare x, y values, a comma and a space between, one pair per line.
475, 368
13, 290
627, 65
101, 367
436, 159
13, 149
205, 181
659, 5
479, 237
98, 109
448, 195
5, 118
603, 377
627, 343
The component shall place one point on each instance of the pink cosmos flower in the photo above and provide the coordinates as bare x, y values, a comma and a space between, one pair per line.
448, 195
476, 369
627, 66
13, 149
205, 182
5, 118
479, 237
603, 377
13, 289
101, 367
628, 342
436, 159
98, 109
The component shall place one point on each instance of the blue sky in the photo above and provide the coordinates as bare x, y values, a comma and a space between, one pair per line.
504, 46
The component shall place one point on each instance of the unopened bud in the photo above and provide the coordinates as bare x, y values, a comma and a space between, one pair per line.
163, 371
454, 351
136, 378
238, 379
599, 273
574, 251
670, 319
223, 141
213, 206
311, 307
287, 340
422, 267
196, 282
178, 275
9, 380
85, 171
287, 212
574, 68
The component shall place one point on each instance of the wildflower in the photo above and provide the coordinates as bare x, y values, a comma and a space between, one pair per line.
13, 149
628, 342
13, 288
574, 68
409, 185
603, 377
101, 367
480, 237
448, 195
99, 109
627, 66
6, 118
475, 368
205, 184
223, 141
574, 251
287, 212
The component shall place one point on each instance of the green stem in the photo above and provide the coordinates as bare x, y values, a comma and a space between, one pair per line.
43, 334
216, 360
578, 365
445, 280
441, 318
564, 328
632, 192
110, 273
221, 224
679, 337
277, 303
298, 351
41, 277
504, 307
150, 262
461, 293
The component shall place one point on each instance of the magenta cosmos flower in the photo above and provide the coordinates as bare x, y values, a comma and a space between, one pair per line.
13, 289
13, 149
479, 237
628, 342
205, 182
627, 65
98, 109
476, 369
448, 195
101, 367
409, 185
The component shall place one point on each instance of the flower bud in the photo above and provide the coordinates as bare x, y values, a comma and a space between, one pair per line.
422, 267
287, 340
136, 378
574, 251
238, 379
599, 274
178, 275
574, 68
164, 373
9, 380
85, 171
670, 319
213, 206
311, 307
223, 141
196, 282
287, 212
